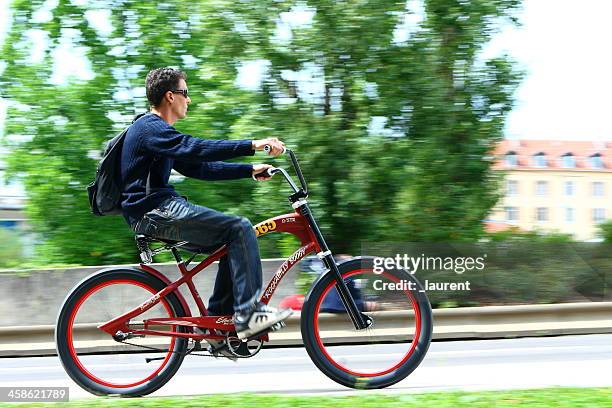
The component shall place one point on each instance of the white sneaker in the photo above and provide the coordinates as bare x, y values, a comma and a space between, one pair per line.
261, 318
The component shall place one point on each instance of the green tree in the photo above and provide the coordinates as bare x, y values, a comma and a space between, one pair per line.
425, 176
605, 231
11, 249
428, 177
457, 104
63, 124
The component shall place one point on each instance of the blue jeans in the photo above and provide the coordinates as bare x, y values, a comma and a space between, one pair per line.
239, 279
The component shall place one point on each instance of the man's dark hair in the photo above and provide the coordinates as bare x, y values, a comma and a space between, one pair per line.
161, 80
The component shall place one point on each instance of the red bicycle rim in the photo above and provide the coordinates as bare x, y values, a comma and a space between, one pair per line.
70, 334
415, 338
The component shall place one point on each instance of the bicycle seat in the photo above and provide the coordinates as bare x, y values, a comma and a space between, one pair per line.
143, 240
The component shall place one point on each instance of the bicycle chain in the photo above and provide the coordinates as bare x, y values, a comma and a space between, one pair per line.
190, 353
165, 351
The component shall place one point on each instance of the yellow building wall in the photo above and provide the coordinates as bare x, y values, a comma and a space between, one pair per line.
583, 201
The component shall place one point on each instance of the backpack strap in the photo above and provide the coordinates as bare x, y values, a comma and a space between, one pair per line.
148, 187
140, 115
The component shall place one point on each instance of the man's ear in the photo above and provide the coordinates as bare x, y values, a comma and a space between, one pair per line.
169, 97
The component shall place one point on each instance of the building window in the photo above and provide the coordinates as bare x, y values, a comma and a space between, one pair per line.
569, 188
511, 187
568, 161
512, 213
570, 214
596, 161
539, 160
541, 214
599, 214
541, 188
511, 159
598, 189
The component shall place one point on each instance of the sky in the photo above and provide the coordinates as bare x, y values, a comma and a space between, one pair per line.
564, 45
561, 46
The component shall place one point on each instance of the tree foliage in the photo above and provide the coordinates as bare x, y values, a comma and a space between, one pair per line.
424, 175
605, 231
11, 250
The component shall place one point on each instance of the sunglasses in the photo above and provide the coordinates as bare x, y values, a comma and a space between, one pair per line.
181, 91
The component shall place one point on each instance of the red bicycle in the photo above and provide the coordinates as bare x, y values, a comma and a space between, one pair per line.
120, 314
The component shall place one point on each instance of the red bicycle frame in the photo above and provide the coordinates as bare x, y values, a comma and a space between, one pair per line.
294, 223
301, 223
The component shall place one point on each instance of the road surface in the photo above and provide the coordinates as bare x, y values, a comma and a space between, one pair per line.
568, 361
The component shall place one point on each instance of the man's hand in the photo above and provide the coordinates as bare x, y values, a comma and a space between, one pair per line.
277, 146
258, 169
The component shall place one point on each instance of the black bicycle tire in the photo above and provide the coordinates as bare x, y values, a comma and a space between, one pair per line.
342, 377
61, 328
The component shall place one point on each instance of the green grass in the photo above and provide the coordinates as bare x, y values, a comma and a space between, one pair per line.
549, 397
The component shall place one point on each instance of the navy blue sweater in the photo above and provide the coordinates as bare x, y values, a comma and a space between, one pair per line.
152, 148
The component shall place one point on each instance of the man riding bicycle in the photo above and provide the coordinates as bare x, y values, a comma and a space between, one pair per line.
151, 150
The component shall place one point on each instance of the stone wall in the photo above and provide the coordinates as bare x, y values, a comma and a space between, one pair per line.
34, 297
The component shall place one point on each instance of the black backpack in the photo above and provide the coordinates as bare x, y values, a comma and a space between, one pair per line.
105, 191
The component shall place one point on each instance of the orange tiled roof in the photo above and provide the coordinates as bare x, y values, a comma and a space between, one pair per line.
554, 150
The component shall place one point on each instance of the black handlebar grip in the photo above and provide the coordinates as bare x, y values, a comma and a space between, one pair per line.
265, 173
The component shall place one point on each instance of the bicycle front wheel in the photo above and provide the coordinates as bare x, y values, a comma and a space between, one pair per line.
381, 355
98, 363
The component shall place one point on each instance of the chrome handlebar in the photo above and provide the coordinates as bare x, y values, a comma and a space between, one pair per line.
271, 172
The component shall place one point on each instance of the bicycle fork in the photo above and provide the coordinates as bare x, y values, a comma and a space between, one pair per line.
360, 320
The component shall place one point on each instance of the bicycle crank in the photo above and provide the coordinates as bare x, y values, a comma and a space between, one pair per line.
252, 345
243, 349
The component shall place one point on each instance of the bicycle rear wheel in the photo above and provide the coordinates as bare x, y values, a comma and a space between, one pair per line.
98, 363
381, 355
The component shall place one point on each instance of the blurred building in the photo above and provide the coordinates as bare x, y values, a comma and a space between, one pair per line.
12, 200
554, 186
